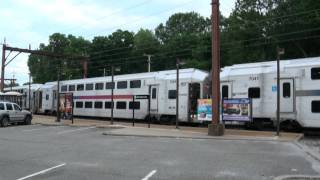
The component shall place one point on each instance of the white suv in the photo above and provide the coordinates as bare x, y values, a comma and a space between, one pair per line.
12, 113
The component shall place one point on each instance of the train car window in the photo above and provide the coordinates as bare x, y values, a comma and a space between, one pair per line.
110, 85
64, 88
154, 93
47, 96
55, 94
89, 87
315, 73
72, 87
80, 87
121, 105
135, 84
122, 85
254, 93
286, 88
225, 92
88, 105
79, 104
108, 104
135, 104
172, 94
1, 106
98, 105
315, 106
99, 86
9, 107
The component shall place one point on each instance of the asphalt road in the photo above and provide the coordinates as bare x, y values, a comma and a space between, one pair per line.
77, 153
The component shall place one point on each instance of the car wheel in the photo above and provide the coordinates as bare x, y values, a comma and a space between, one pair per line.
27, 121
4, 121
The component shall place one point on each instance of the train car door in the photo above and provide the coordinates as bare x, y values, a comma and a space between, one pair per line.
154, 99
286, 95
194, 95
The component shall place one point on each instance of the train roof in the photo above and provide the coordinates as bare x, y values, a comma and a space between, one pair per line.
268, 67
191, 73
33, 86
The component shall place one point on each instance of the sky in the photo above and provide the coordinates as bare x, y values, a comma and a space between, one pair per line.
25, 22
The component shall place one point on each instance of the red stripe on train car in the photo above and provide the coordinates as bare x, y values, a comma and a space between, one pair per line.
105, 97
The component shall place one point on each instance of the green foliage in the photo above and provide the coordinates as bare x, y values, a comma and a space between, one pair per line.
251, 33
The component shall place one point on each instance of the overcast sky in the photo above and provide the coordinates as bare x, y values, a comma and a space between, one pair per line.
25, 22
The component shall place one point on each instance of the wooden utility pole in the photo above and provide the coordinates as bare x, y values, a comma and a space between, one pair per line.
177, 94
216, 128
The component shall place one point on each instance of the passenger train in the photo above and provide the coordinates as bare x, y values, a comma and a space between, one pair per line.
92, 96
299, 90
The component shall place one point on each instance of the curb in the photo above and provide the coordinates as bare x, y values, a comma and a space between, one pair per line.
87, 125
190, 137
294, 177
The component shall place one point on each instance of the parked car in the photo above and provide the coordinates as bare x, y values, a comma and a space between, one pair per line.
12, 113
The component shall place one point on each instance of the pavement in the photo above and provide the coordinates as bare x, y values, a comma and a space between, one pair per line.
82, 152
156, 130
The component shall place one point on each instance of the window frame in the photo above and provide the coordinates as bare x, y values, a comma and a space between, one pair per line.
172, 94
285, 93
64, 88
89, 85
106, 105
96, 105
154, 93
133, 84
9, 105
250, 94
97, 85
79, 87
121, 102
16, 105
223, 91
315, 75
119, 83
136, 105
71, 89
108, 85
315, 103
77, 103
88, 102
3, 107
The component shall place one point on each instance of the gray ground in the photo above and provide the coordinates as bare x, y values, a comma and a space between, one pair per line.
88, 154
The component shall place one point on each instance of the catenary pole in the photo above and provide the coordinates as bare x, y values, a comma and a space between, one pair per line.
113, 86
280, 51
177, 94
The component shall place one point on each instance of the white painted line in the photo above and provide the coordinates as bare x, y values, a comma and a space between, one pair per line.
149, 175
42, 172
37, 129
80, 129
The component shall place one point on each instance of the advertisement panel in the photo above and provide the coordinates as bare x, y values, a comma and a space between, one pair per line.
66, 103
237, 110
204, 110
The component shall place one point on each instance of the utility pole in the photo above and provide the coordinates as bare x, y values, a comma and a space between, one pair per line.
3, 65
177, 94
58, 92
280, 52
29, 98
216, 128
113, 86
149, 61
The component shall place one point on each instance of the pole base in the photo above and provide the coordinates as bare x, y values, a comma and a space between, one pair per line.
215, 129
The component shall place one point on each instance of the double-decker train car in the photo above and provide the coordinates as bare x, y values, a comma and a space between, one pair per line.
92, 96
24, 90
299, 90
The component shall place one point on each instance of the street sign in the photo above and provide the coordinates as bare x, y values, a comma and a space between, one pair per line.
141, 96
